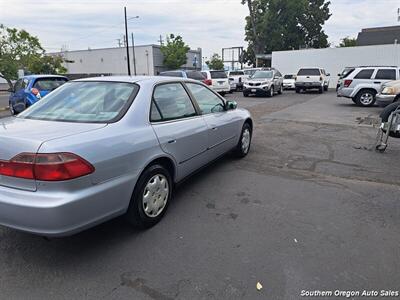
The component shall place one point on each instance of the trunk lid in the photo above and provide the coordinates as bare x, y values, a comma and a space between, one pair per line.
19, 135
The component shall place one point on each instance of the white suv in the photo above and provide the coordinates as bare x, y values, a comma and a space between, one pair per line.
217, 81
312, 78
236, 78
363, 83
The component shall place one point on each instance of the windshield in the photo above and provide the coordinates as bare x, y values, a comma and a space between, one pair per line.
263, 74
288, 76
236, 73
218, 74
84, 101
49, 84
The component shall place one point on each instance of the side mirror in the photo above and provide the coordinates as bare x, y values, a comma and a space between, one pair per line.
230, 105
328, 74
339, 75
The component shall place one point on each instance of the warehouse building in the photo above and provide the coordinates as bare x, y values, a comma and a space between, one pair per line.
379, 36
145, 60
334, 60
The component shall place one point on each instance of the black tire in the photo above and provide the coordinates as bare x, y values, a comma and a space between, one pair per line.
136, 214
239, 151
12, 110
385, 114
320, 90
271, 92
325, 88
363, 93
245, 94
280, 91
354, 100
298, 90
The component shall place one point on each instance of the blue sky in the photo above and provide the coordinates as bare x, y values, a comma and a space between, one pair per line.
209, 24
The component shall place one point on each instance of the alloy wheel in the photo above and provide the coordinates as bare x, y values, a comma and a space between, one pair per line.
366, 98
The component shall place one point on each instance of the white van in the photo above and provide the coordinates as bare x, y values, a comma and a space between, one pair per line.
217, 80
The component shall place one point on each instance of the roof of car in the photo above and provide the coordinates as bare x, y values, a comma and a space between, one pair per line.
34, 76
133, 79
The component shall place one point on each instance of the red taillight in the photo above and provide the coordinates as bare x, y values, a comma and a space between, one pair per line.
35, 91
207, 81
46, 167
347, 82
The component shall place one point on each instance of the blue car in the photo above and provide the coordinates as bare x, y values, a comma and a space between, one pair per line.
30, 89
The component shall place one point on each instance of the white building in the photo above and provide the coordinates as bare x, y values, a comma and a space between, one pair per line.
113, 61
334, 60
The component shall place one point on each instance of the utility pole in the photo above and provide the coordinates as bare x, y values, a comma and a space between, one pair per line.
127, 44
119, 43
133, 52
161, 40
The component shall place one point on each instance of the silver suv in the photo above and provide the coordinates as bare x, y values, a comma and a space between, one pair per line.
364, 82
265, 82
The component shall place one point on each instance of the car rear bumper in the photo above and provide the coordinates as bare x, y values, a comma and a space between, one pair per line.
289, 85
344, 92
61, 213
384, 100
221, 89
308, 85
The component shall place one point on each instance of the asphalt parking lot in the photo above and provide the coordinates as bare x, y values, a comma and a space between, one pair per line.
312, 207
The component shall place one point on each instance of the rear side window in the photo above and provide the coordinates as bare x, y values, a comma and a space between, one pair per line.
49, 84
346, 72
171, 102
309, 72
204, 74
389, 74
364, 74
218, 74
195, 75
172, 74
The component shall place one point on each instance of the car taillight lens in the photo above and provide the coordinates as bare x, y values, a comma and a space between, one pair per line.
35, 91
347, 82
46, 166
207, 81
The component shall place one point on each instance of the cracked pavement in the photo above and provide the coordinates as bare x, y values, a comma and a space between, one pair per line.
312, 207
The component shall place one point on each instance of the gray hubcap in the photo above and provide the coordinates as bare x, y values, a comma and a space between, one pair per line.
246, 140
155, 195
366, 98
271, 91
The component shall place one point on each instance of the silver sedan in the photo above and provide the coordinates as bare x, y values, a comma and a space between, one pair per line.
102, 147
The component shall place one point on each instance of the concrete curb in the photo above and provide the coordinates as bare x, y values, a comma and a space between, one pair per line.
3, 108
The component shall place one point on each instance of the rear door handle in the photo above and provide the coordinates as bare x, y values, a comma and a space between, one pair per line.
214, 128
377, 82
171, 141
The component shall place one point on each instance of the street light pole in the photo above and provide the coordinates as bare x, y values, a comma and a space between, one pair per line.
127, 44
134, 58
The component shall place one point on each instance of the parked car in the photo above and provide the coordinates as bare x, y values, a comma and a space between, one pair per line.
30, 89
102, 147
390, 93
289, 81
264, 82
344, 74
312, 78
237, 78
192, 74
363, 83
217, 81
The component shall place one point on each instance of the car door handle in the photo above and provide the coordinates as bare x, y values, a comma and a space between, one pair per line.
171, 141
377, 82
214, 128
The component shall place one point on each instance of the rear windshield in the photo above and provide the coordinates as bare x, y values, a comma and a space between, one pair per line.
346, 72
288, 76
309, 72
48, 84
218, 74
236, 73
171, 74
195, 75
84, 101
263, 74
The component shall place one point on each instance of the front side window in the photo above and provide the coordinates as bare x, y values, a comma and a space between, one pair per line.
171, 102
364, 74
84, 101
388, 74
206, 99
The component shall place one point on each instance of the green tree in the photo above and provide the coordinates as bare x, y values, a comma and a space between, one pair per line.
274, 25
348, 42
174, 52
20, 50
215, 63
